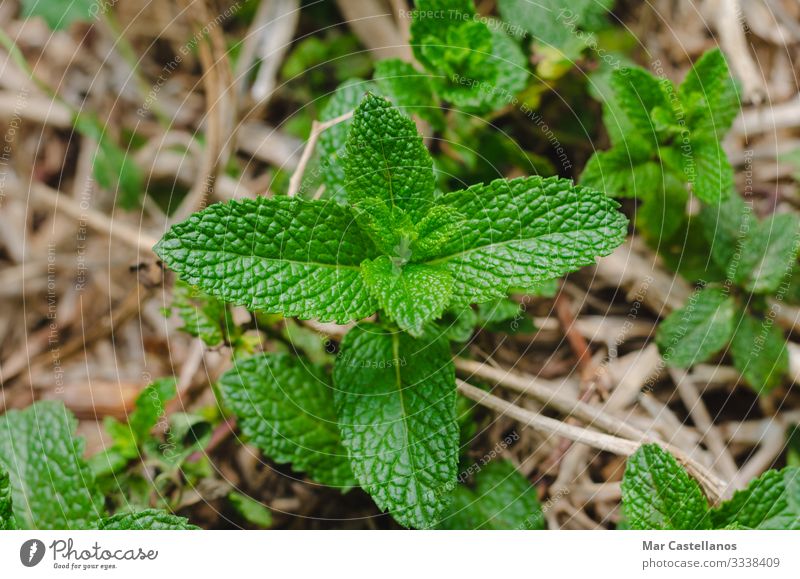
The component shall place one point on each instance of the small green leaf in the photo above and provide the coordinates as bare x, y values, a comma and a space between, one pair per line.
759, 353
412, 294
285, 407
500, 499
203, 316
708, 170
150, 406
251, 510
409, 89
638, 93
718, 105
59, 15
618, 171
7, 522
52, 486
658, 494
724, 227
147, 520
520, 232
661, 214
395, 397
554, 22
770, 502
432, 37
280, 255
128, 438
386, 159
769, 254
697, 331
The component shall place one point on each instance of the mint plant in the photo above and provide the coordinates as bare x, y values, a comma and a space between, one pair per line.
468, 63
665, 138
759, 262
657, 493
45, 483
396, 249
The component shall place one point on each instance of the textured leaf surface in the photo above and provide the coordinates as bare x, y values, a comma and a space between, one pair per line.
438, 32
282, 255
658, 494
500, 499
614, 171
52, 487
759, 353
386, 159
7, 521
708, 170
520, 232
203, 316
412, 294
147, 520
769, 253
772, 501
150, 406
638, 92
724, 225
395, 397
698, 330
285, 407
719, 105
553, 22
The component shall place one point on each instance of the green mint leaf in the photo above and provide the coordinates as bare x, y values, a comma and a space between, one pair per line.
708, 170
490, 82
412, 294
697, 331
251, 510
718, 105
661, 214
759, 353
553, 22
658, 494
770, 502
440, 31
520, 232
150, 405
282, 255
440, 225
147, 520
638, 92
409, 89
203, 316
7, 522
332, 142
458, 324
52, 486
59, 15
500, 499
769, 254
617, 172
128, 438
724, 225
285, 407
386, 159
396, 397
